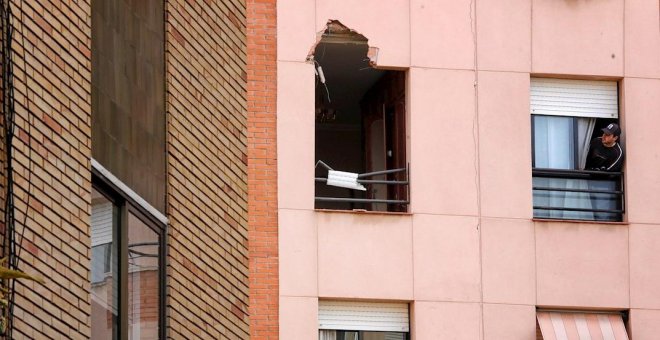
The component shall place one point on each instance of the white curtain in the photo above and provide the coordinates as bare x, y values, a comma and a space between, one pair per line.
585, 130
553, 142
555, 148
325, 334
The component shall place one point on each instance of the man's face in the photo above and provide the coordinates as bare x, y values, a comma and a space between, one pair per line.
609, 139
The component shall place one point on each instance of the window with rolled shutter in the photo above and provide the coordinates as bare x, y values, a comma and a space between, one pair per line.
569, 182
363, 316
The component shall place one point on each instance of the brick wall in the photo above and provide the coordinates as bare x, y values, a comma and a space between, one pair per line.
207, 293
262, 168
52, 69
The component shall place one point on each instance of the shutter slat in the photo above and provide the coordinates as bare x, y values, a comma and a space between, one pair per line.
101, 223
576, 98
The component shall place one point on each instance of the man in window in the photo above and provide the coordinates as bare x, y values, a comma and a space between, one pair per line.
605, 153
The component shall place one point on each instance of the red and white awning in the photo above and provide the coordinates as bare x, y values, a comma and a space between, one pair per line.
581, 326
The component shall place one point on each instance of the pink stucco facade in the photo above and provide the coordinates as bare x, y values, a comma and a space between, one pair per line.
468, 256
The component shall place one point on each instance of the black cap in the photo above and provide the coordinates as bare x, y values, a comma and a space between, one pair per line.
612, 129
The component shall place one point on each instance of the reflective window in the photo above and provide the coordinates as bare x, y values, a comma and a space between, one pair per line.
143, 282
126, 272
104, 271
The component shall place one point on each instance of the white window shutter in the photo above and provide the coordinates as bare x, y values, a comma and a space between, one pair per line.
364, 316
576, 98
101, 221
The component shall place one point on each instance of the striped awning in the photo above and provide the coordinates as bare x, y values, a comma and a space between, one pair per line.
581, 326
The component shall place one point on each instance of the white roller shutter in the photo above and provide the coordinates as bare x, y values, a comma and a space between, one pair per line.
576, 98
363, 316
101, 223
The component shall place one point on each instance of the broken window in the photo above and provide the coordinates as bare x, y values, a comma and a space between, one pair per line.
360, 126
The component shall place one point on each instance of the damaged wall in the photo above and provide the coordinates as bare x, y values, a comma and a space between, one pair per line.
468, 67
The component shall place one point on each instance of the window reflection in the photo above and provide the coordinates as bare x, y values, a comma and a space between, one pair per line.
143, 282
105, 294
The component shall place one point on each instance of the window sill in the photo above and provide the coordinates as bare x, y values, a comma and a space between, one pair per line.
362, 211
578, 221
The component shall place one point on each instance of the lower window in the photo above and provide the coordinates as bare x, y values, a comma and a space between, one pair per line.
361, 335
362, 320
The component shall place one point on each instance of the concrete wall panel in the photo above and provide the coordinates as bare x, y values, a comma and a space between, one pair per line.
296, 29
298, 250
505, 145
582, 265
299, 318
442, 33
446, 320
504, 30
642, 38
644, 324
365, 256
506, 322
577, 37
295, 151
509, 274
641, 168
446, 258
644, 262
443, 167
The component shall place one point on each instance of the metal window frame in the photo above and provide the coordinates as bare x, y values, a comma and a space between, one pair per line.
361, 179
587, 175
126, 203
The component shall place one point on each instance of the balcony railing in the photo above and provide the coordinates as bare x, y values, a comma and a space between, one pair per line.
397, 183
578, 195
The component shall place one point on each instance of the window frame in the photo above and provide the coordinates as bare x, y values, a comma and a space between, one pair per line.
386, 104
127, 205
338, 315
575, 172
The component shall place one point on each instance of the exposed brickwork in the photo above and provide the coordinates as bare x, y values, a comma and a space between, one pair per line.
207, 270
52, 67
262, 169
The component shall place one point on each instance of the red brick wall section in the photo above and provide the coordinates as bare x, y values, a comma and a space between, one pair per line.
207, 293
262, 169
52, 67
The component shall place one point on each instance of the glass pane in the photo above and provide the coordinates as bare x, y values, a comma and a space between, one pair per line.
105, 287
143, 280
554, 142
